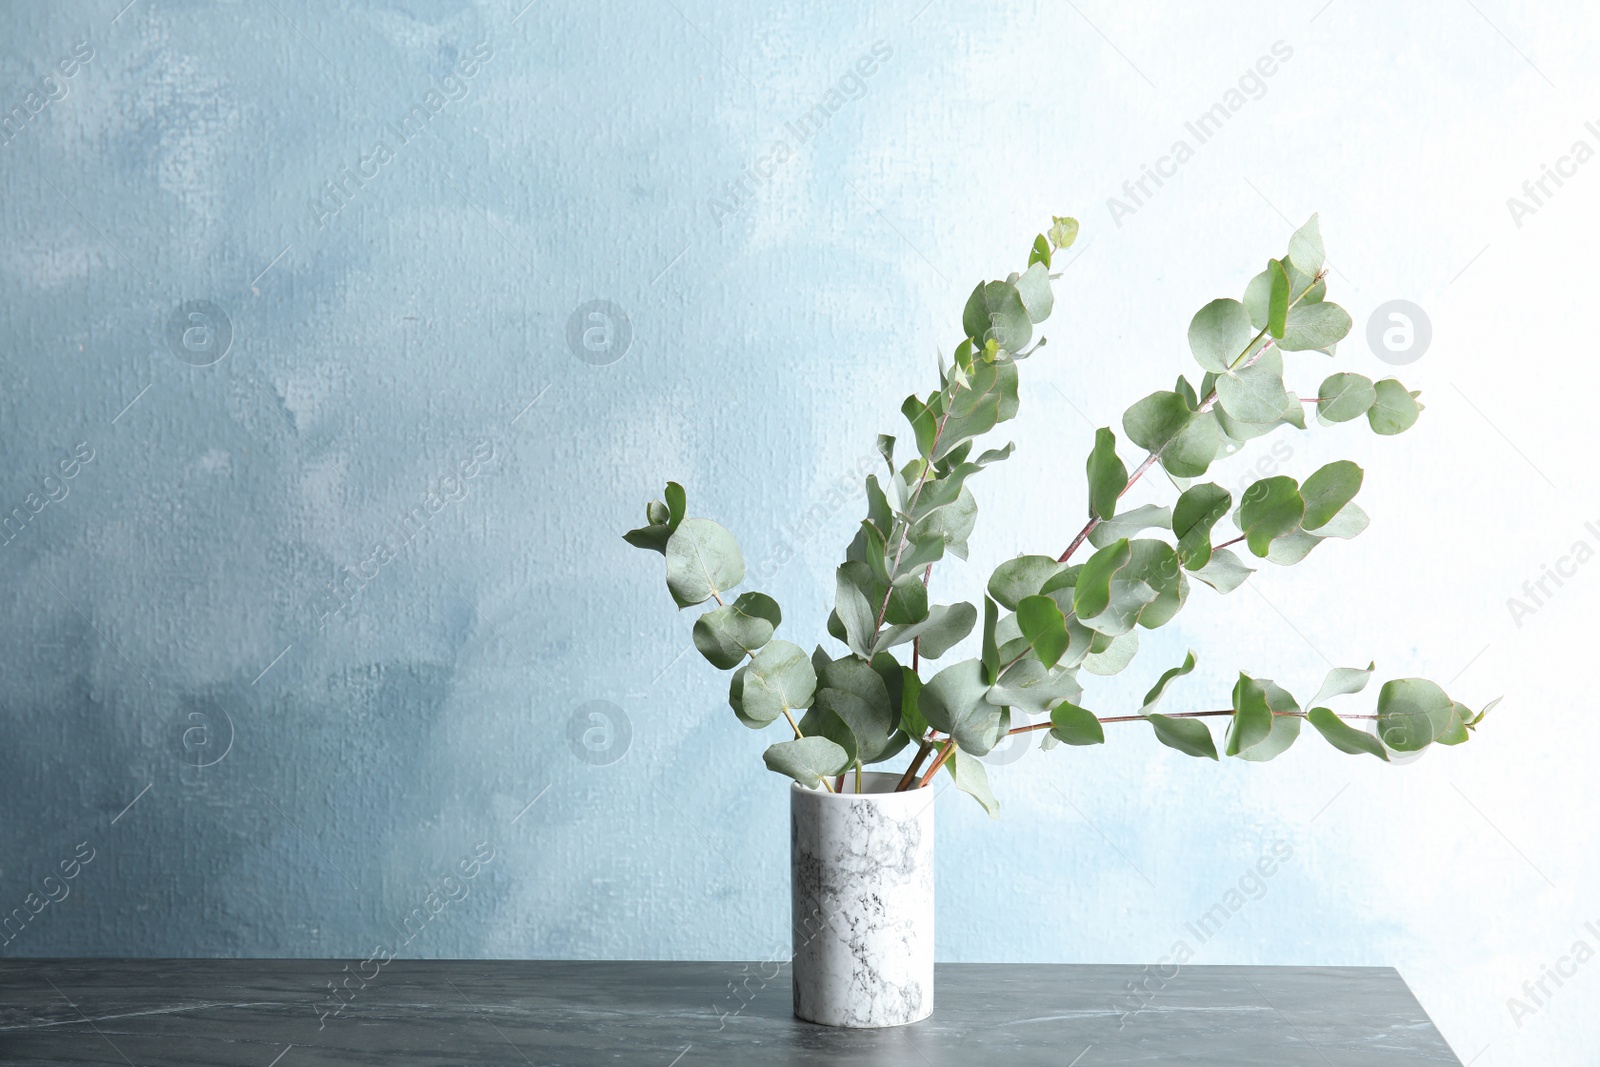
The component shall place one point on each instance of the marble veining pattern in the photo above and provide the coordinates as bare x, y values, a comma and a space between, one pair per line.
861, 888
448, 1013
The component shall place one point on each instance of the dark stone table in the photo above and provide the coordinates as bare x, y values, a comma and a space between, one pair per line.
280, 1013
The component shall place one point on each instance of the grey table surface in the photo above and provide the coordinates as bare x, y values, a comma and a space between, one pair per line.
442, 1013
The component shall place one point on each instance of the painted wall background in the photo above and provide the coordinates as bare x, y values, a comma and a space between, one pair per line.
254, 774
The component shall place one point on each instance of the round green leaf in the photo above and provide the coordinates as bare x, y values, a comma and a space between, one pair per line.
996, 310
1092, 594
807, 759
1021, 577
1412, 713
1343, 397
1394, 410
1076, 726
1254, 393
1314, 326
1197, 511
725, 636
780, 678
703, 560
1327, 491
1269, 509
1155, 420
1045, 628
1219, 333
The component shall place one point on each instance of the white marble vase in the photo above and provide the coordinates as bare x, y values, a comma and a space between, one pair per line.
861, 893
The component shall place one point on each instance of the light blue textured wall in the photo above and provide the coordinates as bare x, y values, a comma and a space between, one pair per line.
399, 409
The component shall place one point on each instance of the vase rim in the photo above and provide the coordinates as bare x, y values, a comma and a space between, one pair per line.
869, 779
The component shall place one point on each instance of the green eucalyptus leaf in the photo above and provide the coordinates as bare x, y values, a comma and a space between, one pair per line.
953, 702
1063, 231
995, 311
779, 679
1285, 724
1314, 326
1159, 690
990, 399
908, 601
870, 723
967, 770
853, 608
1108, 477
1030, 686
1285, 731
1045, 628
807, 759
1345, 396
703, 560
1073, 725
886, 450
1155, 563
729, 633
1412, 713
1252, 718
1327, 491
1342, 681
1394, 410
1254, 392
1040, 252
1456, 731
1198, 509
944, 528
945, 626
1191, 451
1292, 547
1305, 248
924, 423
1349, 522
1156, 420
1021, 577
1344, 737
911, 720
1219, 334
867, 681
991, 651
1190, 736
1277, 298
1034, 287
1143, 517
663, 519
1114, 657
1224, 572
1269, 509
1092, 594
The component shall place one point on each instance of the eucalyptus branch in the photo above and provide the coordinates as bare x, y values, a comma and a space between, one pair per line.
1174, 715
859, 722
1245, 356
911, 505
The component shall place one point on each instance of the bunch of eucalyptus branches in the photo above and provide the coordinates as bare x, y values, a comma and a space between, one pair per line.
1045, 618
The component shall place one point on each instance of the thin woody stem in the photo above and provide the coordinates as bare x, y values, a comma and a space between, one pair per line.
944, 754
1176, 715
